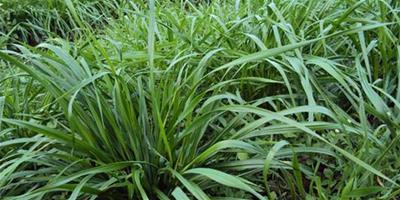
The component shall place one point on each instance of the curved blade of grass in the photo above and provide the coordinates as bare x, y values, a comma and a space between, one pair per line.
178, 194
75, 194
267, 162
139, 185
224, 179
2, 102
192, 187
225, 144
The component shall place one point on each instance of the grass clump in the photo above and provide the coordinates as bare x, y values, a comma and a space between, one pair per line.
205, 100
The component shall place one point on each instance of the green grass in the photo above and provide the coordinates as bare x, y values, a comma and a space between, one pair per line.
202, 100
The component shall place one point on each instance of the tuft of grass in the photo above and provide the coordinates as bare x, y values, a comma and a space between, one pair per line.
202, 100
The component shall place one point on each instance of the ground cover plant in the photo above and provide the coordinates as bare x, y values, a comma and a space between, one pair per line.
241, 99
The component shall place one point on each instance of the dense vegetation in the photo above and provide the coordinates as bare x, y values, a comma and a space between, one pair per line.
222, 99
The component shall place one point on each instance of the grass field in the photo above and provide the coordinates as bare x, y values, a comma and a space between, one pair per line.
221, 99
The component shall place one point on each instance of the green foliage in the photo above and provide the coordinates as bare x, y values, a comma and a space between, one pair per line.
221, 99
34, 21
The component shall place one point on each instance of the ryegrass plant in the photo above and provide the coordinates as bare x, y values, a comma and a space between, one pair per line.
206, 100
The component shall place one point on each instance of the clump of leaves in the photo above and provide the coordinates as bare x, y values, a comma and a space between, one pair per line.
232, 99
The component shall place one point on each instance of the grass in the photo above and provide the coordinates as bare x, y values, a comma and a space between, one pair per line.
202, 100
